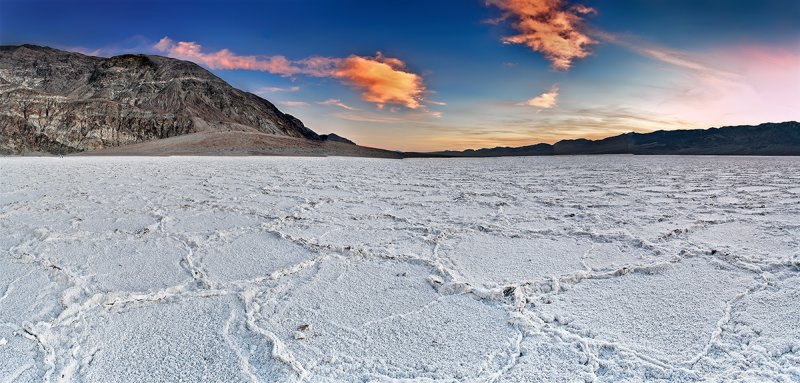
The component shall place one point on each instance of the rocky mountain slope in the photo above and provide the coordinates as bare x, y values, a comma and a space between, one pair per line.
765, 139
63, 102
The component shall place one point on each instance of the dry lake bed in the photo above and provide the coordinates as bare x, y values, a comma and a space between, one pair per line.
260, 269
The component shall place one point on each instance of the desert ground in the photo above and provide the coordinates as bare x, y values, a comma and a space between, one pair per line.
260, 269
241, 144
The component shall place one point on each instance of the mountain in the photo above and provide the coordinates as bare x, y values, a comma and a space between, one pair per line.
765, 139
335, 138
63, 102
503, 151
54, 101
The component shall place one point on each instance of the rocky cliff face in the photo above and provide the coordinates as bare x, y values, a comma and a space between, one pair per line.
61, 102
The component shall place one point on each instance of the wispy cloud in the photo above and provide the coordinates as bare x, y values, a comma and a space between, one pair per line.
89, 52
545, 100
225, 59
276, 89
674, 57
419, 117
552, 27
381, 80
295, 103
133, 44
336, 102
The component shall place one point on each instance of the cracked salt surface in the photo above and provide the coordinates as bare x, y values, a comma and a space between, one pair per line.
611, 268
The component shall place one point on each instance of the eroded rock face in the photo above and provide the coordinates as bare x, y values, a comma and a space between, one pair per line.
60, 102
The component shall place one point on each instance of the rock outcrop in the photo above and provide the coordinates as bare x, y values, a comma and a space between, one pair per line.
63, 102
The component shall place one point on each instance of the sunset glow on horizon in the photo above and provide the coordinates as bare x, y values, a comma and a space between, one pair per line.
423, 76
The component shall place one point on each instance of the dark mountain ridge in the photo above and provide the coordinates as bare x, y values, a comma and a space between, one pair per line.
771, 139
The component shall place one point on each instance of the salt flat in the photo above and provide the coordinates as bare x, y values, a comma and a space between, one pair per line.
609, 268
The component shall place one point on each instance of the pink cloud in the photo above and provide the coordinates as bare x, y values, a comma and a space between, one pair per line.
731, 85
380, 79
336, 102
295, 103
766, 86
225, 59
584, 10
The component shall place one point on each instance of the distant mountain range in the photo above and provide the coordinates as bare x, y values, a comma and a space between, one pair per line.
771, 139
58, 102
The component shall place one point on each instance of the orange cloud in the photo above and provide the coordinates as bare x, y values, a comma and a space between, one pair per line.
545, 100
548, 26
381, 80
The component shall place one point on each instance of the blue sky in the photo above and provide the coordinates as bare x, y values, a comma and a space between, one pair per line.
446, 77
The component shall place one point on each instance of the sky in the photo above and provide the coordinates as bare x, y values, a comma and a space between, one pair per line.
457, 74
